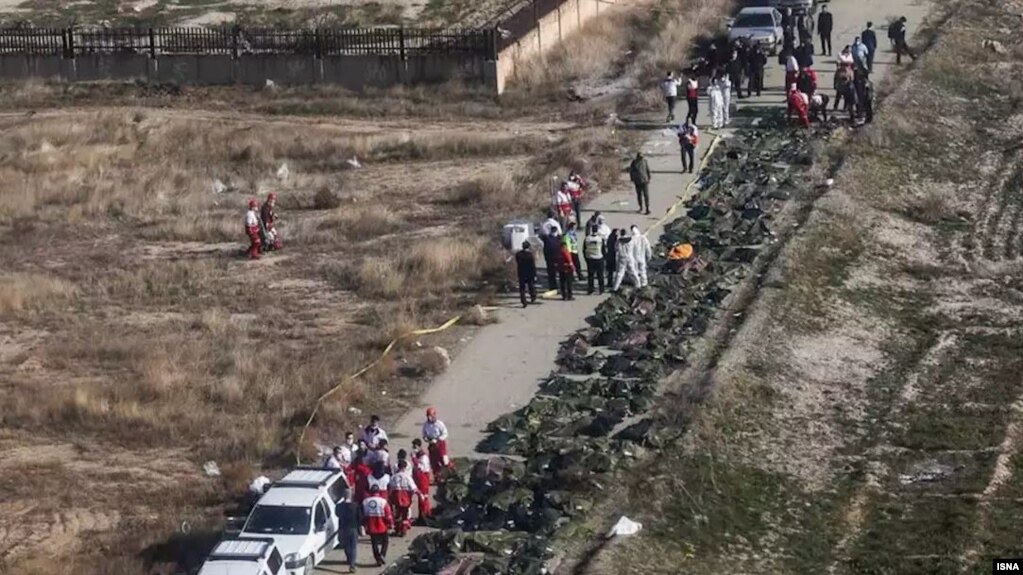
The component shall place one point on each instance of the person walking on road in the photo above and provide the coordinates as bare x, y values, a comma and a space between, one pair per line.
593, 250
626, 263
756, 61
347, 513
899, 37
669, 88
402, 491
692, 98
717, 102
611, 257
737, 65
860, 53
641, 253
825, 24
378, 520
525, 264
869, 39
688, 139
552, 258
639, 173
726, 98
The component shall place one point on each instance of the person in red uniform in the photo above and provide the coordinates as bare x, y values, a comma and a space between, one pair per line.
421, 475
798, 105
268, 218
567, 271
402, 491
252, 228
378, 521
435, 433
361, 473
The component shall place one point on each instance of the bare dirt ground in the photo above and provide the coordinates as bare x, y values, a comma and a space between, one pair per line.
138, 343
865, 418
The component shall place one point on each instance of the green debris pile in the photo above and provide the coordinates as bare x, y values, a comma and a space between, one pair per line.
588, 418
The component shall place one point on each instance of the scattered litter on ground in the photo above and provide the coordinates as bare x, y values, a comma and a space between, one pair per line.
624, 526
210, 469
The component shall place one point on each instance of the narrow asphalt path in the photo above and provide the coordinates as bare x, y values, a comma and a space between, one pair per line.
499, 370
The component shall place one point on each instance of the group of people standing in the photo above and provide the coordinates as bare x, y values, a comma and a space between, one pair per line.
610, 256
261, 226
381, 491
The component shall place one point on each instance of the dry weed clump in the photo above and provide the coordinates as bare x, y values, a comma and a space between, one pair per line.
364, 222
21, 291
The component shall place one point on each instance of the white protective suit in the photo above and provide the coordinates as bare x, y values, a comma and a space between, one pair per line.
717, 103
726, 100
641, 254
626, 263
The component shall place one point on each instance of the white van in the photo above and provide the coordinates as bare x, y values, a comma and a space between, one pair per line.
297, 512
244, 556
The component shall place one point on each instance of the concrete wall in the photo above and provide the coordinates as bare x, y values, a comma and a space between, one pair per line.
353, 72
547, 32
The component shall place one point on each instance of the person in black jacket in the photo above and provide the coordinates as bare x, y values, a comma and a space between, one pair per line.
869, 39
825, 24
525, 262
755, 62
611, 256
552, 257
899, 36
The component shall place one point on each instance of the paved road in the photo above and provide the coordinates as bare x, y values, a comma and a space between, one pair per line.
499, 369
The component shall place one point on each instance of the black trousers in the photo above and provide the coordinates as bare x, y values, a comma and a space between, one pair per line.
552, 272
578, 265
642, 194
527, 286
577, 207
736, 80
688, 158
670, 100
594, 270
379, 544
756, 81
609, 267
566, 285
826, 43
694, 107
870, 59
901, 47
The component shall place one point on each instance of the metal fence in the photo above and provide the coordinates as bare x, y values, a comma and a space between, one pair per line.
73, 42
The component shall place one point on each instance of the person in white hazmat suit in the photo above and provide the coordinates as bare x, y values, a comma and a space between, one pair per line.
717, 103
626, 262
641, 254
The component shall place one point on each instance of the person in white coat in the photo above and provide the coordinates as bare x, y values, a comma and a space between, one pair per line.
725, 85
716, 103
626, 263
641, 254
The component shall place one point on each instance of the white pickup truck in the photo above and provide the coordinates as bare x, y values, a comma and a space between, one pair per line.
297, 513
244, 556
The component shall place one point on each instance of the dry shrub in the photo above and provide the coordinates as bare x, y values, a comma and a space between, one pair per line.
379, 278
236, 476
492, 192
20, 291
365, 222
326, 199
432, 361
438, 263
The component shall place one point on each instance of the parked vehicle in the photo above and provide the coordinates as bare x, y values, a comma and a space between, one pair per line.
761, 25
244, 556
297, 513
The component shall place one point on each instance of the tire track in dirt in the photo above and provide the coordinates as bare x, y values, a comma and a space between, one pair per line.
1002, 212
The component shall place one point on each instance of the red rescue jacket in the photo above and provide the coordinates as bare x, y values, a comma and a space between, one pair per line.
377, 516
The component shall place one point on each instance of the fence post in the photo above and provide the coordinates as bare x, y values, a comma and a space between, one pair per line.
152, 44
71, 43
319, 44
401, 42
234, 42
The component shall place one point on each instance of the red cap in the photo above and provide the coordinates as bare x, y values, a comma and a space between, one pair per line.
431, 412
253, 203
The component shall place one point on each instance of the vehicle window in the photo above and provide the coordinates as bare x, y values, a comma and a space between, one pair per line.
278, 520
754, 21
321, 515
338, 490
274, 561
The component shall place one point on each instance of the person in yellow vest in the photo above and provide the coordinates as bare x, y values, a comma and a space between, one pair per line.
572, 237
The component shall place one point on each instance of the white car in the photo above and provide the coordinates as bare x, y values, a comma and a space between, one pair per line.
297, 512
761, 24
244, 556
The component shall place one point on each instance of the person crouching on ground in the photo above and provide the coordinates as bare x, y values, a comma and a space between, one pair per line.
525, 266
402, 491
252, 229
378, 520
819, 107
798, 105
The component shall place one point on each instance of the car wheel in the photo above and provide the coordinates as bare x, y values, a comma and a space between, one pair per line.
309, 566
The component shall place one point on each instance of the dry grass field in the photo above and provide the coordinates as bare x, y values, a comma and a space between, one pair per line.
137, 343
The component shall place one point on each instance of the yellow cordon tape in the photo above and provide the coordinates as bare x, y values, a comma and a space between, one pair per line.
456, 319
685, 196
361, 372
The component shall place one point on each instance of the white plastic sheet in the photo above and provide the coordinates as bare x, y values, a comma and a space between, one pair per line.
624, 526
